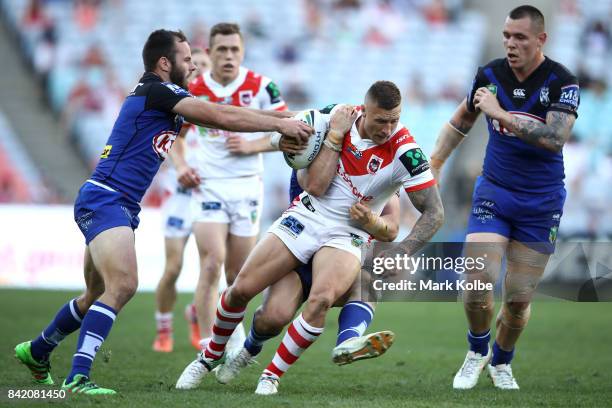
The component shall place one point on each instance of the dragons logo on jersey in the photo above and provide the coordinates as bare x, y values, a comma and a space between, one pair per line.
245, 97
544, 98
162, 142
374, 164
415, 161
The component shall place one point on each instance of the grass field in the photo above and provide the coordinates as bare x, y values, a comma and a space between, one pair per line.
564, 359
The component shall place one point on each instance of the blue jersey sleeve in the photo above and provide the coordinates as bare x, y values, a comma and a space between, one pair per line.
479, 81
565, 95
164, 96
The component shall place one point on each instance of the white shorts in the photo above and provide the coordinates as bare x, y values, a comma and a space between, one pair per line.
235, 201
304, 232
177, 214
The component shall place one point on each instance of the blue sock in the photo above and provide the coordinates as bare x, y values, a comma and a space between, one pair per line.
94, 330
479, 342
354, 319
254, 341
501, 356
67, 320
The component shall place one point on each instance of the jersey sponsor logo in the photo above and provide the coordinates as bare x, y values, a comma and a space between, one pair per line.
162, 142
106, 152
274, 92
176, 89
351, 148
415, 161
374, 164
292, 226
327, 110
544, 96
307, 203
245, 97
492, 88
356, 240
354, 189
211, 205
570, 95
519, 93
175, 222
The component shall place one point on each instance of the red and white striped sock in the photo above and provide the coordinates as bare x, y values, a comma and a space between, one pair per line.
225, 322
300, 335
163, 322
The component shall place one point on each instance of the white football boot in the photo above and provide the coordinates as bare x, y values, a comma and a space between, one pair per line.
363, 347
234, 363
267, 385
196, 370
502, 377
467, 376
236, 340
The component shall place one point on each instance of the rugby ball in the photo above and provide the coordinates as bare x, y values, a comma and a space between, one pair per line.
320, 124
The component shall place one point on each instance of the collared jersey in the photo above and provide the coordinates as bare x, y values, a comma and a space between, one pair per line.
141, 137
372, 173
250, 90
509, 161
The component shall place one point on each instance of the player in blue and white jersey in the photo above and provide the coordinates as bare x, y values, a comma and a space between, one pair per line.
107, 206
530, 103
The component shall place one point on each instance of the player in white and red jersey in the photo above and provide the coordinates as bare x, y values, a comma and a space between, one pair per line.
365, 158
228, 190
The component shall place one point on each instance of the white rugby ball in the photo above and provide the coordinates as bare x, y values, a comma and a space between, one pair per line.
320, 124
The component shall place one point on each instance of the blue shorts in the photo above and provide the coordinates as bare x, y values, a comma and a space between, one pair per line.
97, 209
532, 219
305, 274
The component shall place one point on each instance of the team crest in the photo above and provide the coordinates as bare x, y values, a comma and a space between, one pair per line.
245, 97
544, 99
374, 164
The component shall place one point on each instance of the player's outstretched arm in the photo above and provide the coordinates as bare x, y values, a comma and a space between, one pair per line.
451, 135
428, 202
383, 228
318, 176
238, 119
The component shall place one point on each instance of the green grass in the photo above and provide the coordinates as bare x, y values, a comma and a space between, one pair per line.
564, 359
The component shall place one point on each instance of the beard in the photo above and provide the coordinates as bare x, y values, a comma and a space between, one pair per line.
178, 77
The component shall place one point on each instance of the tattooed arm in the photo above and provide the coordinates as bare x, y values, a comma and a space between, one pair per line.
428, 202
551, 135
450, 136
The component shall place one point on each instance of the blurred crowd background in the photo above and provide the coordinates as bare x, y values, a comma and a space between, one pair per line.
68, 64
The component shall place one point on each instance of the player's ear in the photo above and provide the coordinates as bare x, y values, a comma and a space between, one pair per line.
164, 64
542, 37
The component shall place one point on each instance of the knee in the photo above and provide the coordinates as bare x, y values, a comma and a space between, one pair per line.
174, 264
477, 301
270, 321
515, 315
319, 303
239, 293
125, 289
